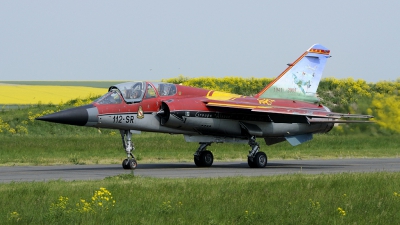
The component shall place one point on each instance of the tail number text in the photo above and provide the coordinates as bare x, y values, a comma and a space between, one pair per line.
123, 119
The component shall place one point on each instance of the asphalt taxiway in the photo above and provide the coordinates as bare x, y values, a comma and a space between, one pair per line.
189, 170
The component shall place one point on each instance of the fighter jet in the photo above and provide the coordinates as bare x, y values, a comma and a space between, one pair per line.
287, 109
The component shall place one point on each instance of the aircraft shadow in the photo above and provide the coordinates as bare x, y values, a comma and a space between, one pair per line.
218, 165
237, 165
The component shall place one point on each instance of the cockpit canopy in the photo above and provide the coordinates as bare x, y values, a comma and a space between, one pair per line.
132, 92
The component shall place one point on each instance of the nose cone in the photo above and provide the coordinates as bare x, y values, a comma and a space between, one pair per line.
76, 116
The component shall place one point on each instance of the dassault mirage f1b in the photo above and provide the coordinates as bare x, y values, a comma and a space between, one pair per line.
287, 109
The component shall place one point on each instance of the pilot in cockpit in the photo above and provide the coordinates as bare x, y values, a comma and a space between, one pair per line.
136, 94
163, 90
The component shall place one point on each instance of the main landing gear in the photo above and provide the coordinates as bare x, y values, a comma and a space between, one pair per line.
256, 159
203, 157
130, 162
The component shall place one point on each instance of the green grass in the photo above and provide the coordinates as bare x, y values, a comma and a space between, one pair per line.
103, 148
290, 199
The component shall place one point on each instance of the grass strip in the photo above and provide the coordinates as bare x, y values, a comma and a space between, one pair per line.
100, 148
347, 198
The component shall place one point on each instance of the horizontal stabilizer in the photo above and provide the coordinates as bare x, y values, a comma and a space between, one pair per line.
298, 139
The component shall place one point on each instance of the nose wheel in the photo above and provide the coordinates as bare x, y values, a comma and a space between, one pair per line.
129, 164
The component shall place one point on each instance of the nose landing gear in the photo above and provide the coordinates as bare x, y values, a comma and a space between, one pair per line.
130, 162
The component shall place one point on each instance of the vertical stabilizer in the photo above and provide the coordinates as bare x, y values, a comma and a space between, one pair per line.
301, 79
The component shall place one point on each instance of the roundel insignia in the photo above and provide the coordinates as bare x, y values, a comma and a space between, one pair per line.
140, 114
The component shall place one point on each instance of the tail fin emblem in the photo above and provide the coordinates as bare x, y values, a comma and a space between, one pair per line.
301, 79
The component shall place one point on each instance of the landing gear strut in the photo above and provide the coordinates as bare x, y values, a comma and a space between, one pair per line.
203, 157
130, 162
256, 159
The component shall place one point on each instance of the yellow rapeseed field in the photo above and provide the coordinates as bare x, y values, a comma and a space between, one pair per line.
34, 94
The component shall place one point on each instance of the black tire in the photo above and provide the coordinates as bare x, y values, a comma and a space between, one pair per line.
129, 164
260, 160
251, 162
206, 158
125, 164
197, 161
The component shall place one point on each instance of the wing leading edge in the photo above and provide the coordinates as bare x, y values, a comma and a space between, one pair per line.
311, 115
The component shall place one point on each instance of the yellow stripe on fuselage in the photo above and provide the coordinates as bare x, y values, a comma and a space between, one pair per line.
230, 105
219, 95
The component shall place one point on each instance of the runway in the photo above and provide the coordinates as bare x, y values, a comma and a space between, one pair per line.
189, 170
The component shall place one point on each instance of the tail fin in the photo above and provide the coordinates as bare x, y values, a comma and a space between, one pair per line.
301, 79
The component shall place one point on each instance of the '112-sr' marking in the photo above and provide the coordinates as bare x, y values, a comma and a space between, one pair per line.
121, 119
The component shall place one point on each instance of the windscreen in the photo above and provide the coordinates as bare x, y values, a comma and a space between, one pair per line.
112, 97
